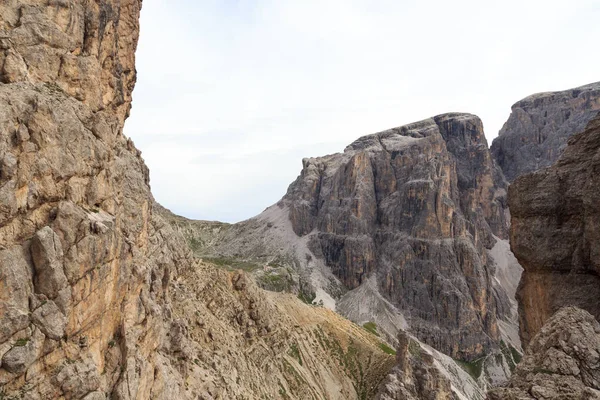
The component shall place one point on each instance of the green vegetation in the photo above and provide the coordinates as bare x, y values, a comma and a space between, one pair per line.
21, 342
195, 244
473, 368
307, 298
515, 354
371, 327
414, 348
294, 352
387, 349
276, 280
543, 371
512, 355
348, 359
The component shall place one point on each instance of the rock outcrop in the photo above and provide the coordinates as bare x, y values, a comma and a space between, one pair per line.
539, 127
415, 377
398, 229
555, 235
561, 362
418, 206
99, 297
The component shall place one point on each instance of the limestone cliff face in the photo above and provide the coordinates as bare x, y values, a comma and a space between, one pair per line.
539, 126
418, 206
99, 297
561, 362
555, 233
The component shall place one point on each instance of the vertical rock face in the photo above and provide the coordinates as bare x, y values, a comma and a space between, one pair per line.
555, 233
539, 126
418, 206
561, 362
76, 233
99, 297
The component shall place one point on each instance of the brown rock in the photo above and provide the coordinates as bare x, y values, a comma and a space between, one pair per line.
555, 235
47, 255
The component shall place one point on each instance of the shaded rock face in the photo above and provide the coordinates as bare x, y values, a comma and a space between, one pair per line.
561, 362
555, 233
99, 297
539, 127
418, 206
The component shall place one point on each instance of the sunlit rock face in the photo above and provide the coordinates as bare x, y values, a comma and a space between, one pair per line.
539, 127
82, 302
555, 233
418, 206
99, 296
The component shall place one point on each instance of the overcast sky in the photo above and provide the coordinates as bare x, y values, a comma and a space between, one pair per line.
231, 95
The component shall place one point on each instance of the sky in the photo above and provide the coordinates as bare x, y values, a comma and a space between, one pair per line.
232, 94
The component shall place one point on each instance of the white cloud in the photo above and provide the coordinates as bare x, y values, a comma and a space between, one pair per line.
232, 94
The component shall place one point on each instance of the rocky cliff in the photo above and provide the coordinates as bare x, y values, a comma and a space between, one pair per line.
539, 126
417, 206
99, 297
555, 235
561, 362
406, 228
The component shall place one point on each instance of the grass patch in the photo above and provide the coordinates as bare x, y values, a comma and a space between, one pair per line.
473, 368
515, 354
414, 348
387, 349
294, 352
307, 298
371, 327
21, 342
543, 371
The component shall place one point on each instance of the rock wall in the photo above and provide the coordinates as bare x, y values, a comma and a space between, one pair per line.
418, 206
99, 297
539, 126
555, 234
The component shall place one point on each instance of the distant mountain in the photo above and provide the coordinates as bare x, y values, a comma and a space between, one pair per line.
406, 228
539, 127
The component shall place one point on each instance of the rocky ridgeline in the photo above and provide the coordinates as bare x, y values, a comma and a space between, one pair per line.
539, 127
99, 296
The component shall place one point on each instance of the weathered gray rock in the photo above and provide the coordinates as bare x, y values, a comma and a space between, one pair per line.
47, 255
79, 378
561, 362
51, 321
23, 353
539, 127
418, 206
555, 233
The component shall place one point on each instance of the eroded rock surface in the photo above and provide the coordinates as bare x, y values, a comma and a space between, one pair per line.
561, 362
99, 297
539, 127
415, 377
418, 206
555, 233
